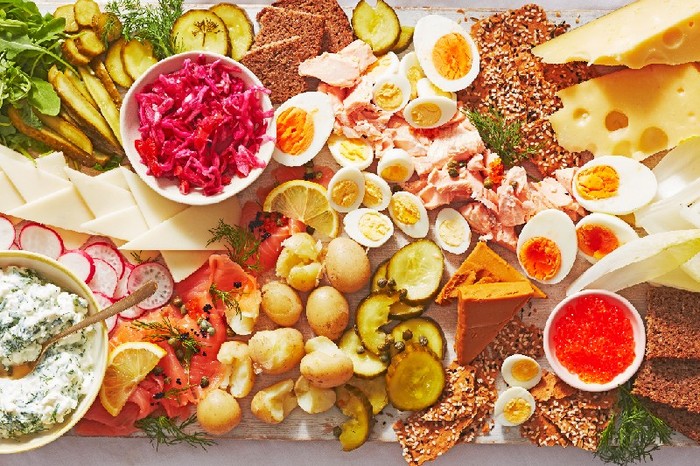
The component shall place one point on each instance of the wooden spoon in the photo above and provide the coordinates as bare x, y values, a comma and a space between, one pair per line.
146, 290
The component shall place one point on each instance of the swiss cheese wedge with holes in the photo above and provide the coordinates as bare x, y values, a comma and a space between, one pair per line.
642, 33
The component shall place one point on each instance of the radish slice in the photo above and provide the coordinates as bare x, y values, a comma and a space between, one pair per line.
7, 233
104, 279
134, 312
104, 302
152, 271
40, 239
107, 253
80, 263
15, 247
122, 287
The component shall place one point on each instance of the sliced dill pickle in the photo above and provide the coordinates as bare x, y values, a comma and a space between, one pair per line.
375, 391
365, 363
405, 39
415, 270
240, 29
379, 281
200, 30
372, 314
400, 309
415, 378
354, 404
378, 26
423, 331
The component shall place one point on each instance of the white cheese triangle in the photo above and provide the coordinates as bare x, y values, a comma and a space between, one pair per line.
102, 198
182, 264
114, 177
154, 207
10, 198
53, 163
64, 208
31, 182
125, 224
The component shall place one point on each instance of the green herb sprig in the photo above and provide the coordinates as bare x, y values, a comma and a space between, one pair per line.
165, 331
633, 433
502, 137
162, 430
231, 303
241, 245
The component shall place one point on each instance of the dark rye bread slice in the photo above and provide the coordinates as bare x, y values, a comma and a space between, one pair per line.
679, 420
277, 65
277, 24
338, 29
674, 382
673, 324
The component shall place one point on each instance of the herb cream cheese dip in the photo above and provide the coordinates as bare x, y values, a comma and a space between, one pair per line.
31, 311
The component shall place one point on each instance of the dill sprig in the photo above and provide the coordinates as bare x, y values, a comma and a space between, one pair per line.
241, 245
633, 433
231, 304
148, 22
502, 137
163, 430
165, 331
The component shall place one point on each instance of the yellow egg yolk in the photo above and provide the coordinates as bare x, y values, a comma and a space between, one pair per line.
373, 195
295, 130
373, 226
452, 56
596, 241
394, 173
540, 257
451, 232
426, 114
379, 66
353, 150
345, 192
439, 91
524, 370
388, 97
404, 211
414, 74
598, 182
517, 410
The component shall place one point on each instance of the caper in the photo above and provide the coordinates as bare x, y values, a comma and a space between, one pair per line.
400, 346
360, 349
179, 353
381, 283
177, 301
384, 357
488, 183
407, 334
453, 172
337, 431
423, 340
402, 293
391, 283
204, 382
211, 331
157, 370
172, 341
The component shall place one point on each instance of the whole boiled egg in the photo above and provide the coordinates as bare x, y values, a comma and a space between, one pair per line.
351, 152
385, 65
409, 214
600, 234
429, 112
514, 406
410, 68
377, 192
425, 88
446, 52
519, 370
452, 232
368, 227
614, 184
547, 246
391, 93
346, 189
303, 123
395, 166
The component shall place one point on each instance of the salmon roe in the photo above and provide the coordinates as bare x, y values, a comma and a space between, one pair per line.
593, 338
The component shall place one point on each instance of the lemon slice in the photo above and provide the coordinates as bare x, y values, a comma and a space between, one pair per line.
129, 363
304, 201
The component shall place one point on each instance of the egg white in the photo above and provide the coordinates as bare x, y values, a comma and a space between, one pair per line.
426, 88
398, 81
410, 68
354, 175
447, 107
511, 394
385, 65
451, 215
384, 189
421, 227
351, 226
621, 229
396, 157
335, 146
507, 372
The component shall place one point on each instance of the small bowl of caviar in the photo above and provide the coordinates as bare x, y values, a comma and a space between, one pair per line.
594, 340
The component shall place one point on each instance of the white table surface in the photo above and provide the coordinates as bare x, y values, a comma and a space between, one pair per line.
137, 451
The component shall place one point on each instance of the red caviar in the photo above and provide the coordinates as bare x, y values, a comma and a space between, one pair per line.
593, 338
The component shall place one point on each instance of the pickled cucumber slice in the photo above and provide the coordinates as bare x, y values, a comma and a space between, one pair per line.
400, 309
375, 391
417, 268
365, 364
354, 404
405, 39
200, 30
378, 282
422, 330
240, 29
415, 379
378, 26
372, 314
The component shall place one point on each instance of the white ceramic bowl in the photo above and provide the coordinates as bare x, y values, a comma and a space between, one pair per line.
130, 132
572, 378
55, 273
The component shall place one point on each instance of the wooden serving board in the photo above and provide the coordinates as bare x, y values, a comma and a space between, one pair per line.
301, 426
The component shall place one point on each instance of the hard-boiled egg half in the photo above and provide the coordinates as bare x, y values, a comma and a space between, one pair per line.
600, 234
351, 152
519, 370
452, 232
427, 89
368, 227
410, 68
385, 65
547, 246
377, 192
614, 184
429, 112
395, 166
446, 52
346, 189
409, 214
514, 406
391, 93
303, 123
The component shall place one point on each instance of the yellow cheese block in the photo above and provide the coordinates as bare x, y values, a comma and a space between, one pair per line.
641, 33
631, 112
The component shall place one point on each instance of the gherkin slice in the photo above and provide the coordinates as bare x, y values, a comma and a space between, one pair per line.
423, 331
365, 363
353, 403
416, 270
415, 379
378, 26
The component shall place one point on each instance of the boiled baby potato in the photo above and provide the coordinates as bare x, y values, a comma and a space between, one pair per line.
218, 412
281, 303
327, 312
235, 355
325, 365
347, 265
313, 400
274, 403
277, 351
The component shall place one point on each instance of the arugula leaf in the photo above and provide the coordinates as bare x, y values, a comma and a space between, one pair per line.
44, 98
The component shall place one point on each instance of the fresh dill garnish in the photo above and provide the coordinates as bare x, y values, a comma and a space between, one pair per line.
241, 245
633, 433
500, 136
231, 304
137, 257
162, 430
165, 331
151, 22
171, 392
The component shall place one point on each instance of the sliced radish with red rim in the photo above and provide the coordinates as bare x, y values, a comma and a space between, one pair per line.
40, 239
104, 302
134, 312
80, 263
7, 233
108, 253
147, 271
104, 279
122, 286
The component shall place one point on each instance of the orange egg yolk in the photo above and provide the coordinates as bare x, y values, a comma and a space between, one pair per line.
596, 241
452, 56
295, 130
524, 370
598, 182
540, 257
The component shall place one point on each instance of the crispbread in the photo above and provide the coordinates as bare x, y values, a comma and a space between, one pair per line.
338, 29
457, 399
277, 24
673, 323
516, 337
674, 382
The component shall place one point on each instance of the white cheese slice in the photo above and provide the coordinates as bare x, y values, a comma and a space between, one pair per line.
64, 209
125, 224
155, 208
182, 264
71, 239
9, 196
53, 163
102, 198
12, 154
189, 230
115, 177
32, 182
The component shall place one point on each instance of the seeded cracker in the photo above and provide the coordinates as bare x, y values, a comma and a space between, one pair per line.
515, 337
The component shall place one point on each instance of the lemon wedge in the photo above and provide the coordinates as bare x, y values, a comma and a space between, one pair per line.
304, 201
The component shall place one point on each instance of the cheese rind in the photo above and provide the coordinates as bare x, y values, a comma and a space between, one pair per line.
641, 33
635, 113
